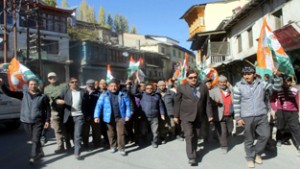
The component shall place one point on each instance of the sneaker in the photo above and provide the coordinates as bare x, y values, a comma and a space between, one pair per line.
29, 142
192, 162
31, 161
123, 152
78, 157
224, 150
258, 159
250, 164
163, 142
113, 150
179, 138
278, 144
154, 145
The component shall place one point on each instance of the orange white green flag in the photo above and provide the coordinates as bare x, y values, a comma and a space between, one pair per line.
133, 66
109, 76
270, 54
184, 68
18, 75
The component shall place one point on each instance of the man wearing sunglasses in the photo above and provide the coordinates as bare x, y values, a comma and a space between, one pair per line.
73, 120
192, 102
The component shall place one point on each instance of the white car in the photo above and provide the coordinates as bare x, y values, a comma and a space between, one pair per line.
9, 108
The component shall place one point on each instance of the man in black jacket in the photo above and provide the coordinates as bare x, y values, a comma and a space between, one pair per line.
192, 102
72, 99
35, 114
88, 106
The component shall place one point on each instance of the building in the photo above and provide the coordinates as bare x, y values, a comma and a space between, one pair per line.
91, 59
169, 48
243, 31
54, 39
205, 29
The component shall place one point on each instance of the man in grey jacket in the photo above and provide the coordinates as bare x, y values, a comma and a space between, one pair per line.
250, 112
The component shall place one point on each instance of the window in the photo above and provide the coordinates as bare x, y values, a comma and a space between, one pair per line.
250, 37
2, 42
174, 52
278, 19
201, 21
239, 41
50, 46
163, 50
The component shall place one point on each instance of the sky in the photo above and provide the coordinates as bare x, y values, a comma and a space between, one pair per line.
150, 17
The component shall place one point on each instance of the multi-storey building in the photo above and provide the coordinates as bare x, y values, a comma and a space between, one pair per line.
54, 39
169, 48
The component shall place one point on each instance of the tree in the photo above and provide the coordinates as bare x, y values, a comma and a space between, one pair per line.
50, 2
110, 21
83, 10
133, 30
120, 24
102, 20
64, 3
116, 26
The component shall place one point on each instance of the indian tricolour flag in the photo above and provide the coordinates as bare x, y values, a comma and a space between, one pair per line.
270, 54
109, 76
133, 66
184, 68
18, 75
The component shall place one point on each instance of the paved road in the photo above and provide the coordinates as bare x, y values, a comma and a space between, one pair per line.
14, 155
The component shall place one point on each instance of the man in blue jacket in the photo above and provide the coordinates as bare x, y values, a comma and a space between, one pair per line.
115, 106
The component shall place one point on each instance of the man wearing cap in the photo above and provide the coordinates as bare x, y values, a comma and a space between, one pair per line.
116, 109
53, 91
222, 110
90, 99
167, 126
250, 111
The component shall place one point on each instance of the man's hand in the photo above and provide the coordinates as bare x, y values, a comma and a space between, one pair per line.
210, 119
241, 123
46, 125
60, 101
127, 119
1, 82
162, 117
176, 120
96, 120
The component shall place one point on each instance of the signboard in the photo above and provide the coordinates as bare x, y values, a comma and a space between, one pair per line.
289, 36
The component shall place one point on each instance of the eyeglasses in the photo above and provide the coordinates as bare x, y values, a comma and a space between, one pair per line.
51, 77
74, 82
149, 88
193, 77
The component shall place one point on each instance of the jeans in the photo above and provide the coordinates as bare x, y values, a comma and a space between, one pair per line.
153, 122
73, 129
35, 130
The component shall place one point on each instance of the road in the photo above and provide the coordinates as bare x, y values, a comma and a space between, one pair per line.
15, 151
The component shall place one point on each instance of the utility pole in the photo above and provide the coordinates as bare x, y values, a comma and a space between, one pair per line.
5, 31
37, 23
27, 33
14, 5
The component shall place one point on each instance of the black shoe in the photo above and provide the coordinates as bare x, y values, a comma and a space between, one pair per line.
78, 157
192, 162
154, 145
59, 150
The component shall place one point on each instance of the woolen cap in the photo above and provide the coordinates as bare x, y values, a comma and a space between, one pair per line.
222, 78
90, 82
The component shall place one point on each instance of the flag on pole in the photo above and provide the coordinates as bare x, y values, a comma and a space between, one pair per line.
270, 54
140, 76
109, 76
184, 68
18, 75
3, 66
198, 60
133, 66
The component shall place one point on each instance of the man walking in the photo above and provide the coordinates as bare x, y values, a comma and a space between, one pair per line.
250, 111
88, 106
192, 102
35, 114
223, 111
115, 106
53, 91
72, 99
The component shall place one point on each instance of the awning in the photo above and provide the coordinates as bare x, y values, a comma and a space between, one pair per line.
200, 38
289, 36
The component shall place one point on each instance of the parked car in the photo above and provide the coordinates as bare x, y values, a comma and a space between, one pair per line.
9, 108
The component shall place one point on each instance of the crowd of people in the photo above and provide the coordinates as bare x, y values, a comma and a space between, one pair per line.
154, 113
